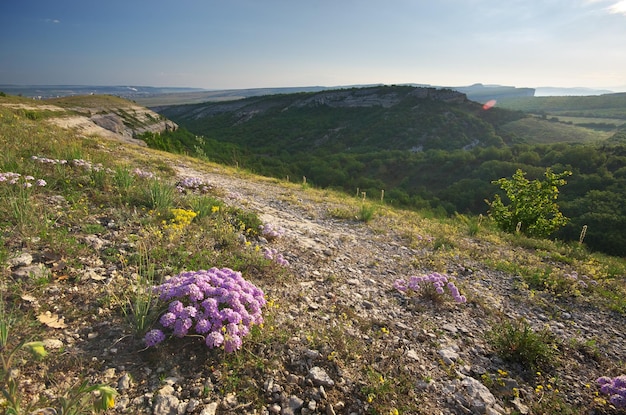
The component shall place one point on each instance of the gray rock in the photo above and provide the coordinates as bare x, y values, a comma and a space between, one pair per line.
90, 274
192, 405
165, 405
35, 271
368, 305
292, 405
95, 242
22, 260
52, 344
166, 390
319, 377
124, 382
520, 407
481, 400
449, 355
230, 401
121, 403
450, 328
210, 409
312, 354
274, 408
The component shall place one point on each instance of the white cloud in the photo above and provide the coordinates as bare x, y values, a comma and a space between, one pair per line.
53, 21
618, 8
614, 7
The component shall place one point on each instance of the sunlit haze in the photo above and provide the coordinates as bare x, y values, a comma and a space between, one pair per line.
279, 43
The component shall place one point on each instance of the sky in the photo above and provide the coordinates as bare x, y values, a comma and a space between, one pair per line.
233, 44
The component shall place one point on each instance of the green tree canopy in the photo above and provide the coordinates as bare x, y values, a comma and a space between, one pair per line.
532, 209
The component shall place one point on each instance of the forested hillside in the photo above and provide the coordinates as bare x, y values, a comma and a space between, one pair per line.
428, 149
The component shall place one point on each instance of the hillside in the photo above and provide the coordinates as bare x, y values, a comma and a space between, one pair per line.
383, 118
540, 321
386, 118
426, 148
609, 106
95, 114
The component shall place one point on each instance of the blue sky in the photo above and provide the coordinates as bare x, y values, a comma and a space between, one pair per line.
279, 43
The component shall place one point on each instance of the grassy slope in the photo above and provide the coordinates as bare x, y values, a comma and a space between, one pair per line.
91, 196
602, 106
538, 131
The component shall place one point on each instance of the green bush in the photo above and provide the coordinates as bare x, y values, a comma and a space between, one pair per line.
532, 209
517, 342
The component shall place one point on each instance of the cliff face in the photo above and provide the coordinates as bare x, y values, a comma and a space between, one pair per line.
377, 97
108, 116
132, 121
382, 96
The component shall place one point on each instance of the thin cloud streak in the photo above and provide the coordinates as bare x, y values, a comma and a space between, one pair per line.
618, 8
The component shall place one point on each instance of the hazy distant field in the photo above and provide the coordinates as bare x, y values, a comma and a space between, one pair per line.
537, 131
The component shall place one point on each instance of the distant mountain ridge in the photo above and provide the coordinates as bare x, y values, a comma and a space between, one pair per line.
156, 96
59, 91
383, 118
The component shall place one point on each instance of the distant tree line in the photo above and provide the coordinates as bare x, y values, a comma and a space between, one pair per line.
451, 181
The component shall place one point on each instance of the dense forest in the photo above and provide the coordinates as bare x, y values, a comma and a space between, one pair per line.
449, 168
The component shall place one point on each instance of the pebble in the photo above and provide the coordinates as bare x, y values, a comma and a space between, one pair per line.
449, 354
165, 404
319, 377
34, 271
210, 409
52, 344
124, 382
22, 260
294, 403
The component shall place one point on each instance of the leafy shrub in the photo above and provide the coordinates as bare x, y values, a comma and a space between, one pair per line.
517, 342
158, 195
366, 213
532, 209
247, 221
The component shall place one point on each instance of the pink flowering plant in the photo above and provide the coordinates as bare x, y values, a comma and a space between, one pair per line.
193, 185
425, 283
270, 232
615, 388
273, 255
16, 179
217, 304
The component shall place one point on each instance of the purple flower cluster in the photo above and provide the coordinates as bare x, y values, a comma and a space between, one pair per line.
86, 165
584, 281
19, 180
273, 255
218, 304
615, 388
438, 281
143, 174
269, 232
46, 160
193, 185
